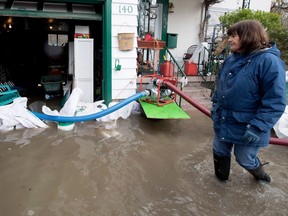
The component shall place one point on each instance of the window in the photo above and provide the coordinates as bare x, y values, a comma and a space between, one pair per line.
57, 39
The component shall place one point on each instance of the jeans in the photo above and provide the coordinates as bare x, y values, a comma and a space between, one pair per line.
246, 155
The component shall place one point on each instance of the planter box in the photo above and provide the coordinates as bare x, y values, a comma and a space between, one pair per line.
153, 44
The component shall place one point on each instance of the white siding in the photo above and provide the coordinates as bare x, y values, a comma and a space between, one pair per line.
229, 4
263, 5
116, 94
124, 20
185, 21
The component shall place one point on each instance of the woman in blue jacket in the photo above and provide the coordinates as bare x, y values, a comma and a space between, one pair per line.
249, 99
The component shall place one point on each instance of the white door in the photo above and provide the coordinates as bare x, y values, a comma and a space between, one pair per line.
84, 67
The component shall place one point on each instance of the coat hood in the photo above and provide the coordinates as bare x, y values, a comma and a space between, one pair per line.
273, 50
243, 58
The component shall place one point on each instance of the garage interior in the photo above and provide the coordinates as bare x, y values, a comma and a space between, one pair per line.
36, 47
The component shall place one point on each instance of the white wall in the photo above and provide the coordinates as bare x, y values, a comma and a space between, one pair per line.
124, 20
185, 21
263, 5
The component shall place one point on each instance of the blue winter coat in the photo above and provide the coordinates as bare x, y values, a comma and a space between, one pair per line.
251, 89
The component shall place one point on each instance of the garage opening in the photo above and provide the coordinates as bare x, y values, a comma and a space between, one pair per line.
37, 50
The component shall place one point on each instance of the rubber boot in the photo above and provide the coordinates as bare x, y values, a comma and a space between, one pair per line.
222, 167
260, 174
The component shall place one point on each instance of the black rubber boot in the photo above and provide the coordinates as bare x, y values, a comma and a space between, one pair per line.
222, 167
260, 174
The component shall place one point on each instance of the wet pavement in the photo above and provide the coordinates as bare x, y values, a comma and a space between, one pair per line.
138, 167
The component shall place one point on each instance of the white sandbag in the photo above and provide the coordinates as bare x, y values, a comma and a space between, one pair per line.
16, 115
281, 127
124, 112
46, 110
69, 107
90, 108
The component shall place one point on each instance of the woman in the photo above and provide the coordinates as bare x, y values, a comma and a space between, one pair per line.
249, 99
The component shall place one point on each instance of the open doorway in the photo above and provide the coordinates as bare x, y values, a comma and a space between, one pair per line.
35, 47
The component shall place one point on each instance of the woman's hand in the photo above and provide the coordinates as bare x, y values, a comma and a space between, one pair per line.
251, 135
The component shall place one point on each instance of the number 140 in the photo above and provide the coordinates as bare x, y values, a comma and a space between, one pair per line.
125, 9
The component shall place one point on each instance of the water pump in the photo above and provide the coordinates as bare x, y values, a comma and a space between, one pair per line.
158, 93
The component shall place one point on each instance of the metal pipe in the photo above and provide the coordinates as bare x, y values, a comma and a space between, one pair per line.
188, 98
278, 141
200, 107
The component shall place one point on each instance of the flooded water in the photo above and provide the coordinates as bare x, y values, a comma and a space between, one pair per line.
138, 167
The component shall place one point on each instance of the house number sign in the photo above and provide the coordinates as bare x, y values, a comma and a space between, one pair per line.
125, 9
130, 9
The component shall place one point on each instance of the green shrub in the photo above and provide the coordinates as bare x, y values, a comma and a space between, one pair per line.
271, 21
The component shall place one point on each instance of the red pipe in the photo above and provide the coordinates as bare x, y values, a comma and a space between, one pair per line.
187, 98
278, 141
200, 107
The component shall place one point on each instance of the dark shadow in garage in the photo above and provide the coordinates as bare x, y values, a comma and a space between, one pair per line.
32, 48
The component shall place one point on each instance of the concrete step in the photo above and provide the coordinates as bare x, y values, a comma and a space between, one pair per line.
197, 91
203, 100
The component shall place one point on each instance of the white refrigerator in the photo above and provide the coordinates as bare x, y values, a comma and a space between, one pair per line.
84, 67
